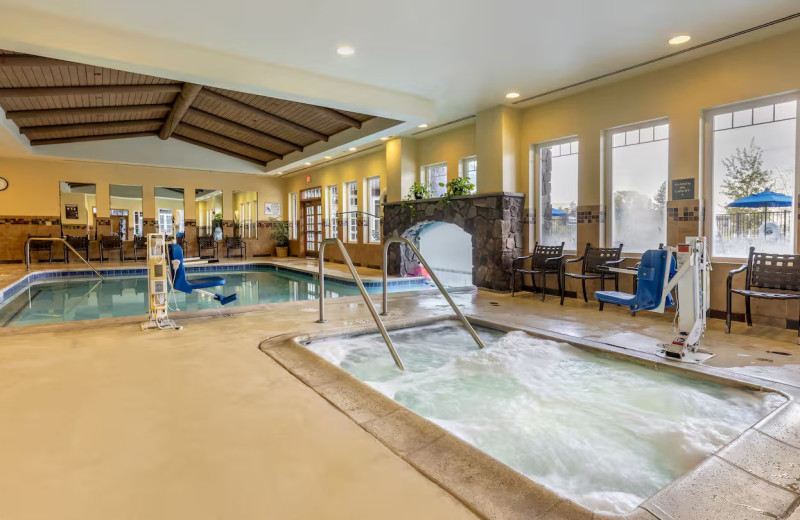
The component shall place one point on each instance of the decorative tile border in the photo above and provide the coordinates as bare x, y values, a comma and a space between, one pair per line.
591, 214
684, 211
36, 221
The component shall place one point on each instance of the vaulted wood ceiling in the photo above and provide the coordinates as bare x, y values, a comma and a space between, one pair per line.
54, 101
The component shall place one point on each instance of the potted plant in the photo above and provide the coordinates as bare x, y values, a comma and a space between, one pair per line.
280, 233
217, 222
419, 191
458, 187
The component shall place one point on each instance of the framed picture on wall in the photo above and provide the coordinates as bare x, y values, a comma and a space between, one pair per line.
70, 211
272, 209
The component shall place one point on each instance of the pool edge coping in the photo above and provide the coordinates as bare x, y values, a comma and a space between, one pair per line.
375, 412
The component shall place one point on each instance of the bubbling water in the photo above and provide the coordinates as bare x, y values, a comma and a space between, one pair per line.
601, 431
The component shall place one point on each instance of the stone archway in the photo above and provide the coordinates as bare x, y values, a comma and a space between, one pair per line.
494, 221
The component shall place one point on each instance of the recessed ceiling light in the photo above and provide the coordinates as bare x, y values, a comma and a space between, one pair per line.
345, 50
423, 125
327, 157
308, 164
681, 38
352, 148
385, 138
512, 95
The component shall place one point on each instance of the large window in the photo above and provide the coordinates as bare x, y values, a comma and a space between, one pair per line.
351, 211
435, 175
752, 158
639, 166
245, 205
293, 216
374, 209
333, 210
469, 168
558, 193
169, 207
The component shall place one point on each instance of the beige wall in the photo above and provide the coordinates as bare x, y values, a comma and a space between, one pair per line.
33, 185
448, 147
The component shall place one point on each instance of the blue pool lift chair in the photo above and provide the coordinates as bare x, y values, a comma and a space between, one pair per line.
655, 270
183, 284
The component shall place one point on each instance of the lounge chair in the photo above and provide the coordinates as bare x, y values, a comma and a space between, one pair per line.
111, 243
207, 243
79, 244
544, 260
41, 245
594, 257
235, 243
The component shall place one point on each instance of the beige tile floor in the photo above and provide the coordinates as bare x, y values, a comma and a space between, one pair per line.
112, 422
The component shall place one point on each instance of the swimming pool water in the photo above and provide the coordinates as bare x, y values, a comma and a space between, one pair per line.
601, 431
91, 298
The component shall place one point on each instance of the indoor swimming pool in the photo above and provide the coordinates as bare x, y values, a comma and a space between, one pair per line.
599, 430
65, 299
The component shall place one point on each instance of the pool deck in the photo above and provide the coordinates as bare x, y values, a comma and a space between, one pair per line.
106, 421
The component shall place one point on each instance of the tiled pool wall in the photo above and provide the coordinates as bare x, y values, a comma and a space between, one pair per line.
39, 276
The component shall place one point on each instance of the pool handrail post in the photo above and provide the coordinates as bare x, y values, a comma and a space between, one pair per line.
404, 240
54, 239
361, 288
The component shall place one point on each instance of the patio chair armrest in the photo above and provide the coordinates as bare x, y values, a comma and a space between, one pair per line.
554, 259
614, 262
521, 258
573, 260
733, 272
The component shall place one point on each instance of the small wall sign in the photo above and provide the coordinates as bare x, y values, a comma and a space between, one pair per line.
272, 209
683, 189
70, 211
308, 179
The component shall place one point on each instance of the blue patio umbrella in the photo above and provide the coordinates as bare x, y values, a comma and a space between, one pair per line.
765, 199
557, 212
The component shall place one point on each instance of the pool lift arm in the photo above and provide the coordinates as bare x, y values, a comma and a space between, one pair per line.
692, 282
165, 278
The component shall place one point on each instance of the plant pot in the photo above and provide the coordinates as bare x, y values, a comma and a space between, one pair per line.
417, 196
281, 252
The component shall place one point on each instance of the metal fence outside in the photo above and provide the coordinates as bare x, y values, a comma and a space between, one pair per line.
755, 224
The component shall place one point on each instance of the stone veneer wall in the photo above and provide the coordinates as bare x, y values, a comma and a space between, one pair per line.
494, 220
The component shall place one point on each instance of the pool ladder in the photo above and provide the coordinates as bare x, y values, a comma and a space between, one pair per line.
54, 239
368, 301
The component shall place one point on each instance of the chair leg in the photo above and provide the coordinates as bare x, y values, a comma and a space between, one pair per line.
544, 284
747, 311
728, 315
513, 281
616, 282
585, 298
560, 287
562, 284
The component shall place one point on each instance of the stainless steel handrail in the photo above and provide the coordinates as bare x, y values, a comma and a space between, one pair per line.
361, 288
403, 240
53, 239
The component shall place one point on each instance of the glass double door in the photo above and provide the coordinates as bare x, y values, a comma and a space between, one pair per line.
312, 220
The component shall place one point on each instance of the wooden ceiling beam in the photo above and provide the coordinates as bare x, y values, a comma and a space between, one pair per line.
335, 114
82, 139
236, 127
218, 149
28, 60
227, 141
116, 125
182, 103
88, 111
258, 113
87, 90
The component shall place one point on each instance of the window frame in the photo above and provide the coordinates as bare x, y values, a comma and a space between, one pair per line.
608, 174
293, 201
369, 210
425, 176
537, 183
706, 184
350, 234
332, 224
464, 172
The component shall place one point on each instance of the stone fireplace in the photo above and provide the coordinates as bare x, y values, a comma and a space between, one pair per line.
493, 220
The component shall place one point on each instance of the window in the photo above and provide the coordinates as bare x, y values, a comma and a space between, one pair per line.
639, 166
351, 211
293, 216
333, 210
469, 168
751, 149
374, 209
138, 228
311, 193
558, 193
435, 174
165, 221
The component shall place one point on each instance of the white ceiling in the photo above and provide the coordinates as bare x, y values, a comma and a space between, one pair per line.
416, 60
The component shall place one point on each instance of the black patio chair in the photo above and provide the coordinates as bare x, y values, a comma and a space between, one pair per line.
235, 243
79, 244
139, 243
769, 272
111, 243
207, 243
594, 258
41, 245
545, 260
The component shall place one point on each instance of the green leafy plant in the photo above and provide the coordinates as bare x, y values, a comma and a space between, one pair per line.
458, 187
419, 191
280, 233
217, 220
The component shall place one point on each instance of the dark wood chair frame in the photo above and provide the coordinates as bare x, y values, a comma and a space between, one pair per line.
207, 242
769, 272
235, 243
139, 242
38, 246
544, 260
593, 257
79, 243
111, 243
